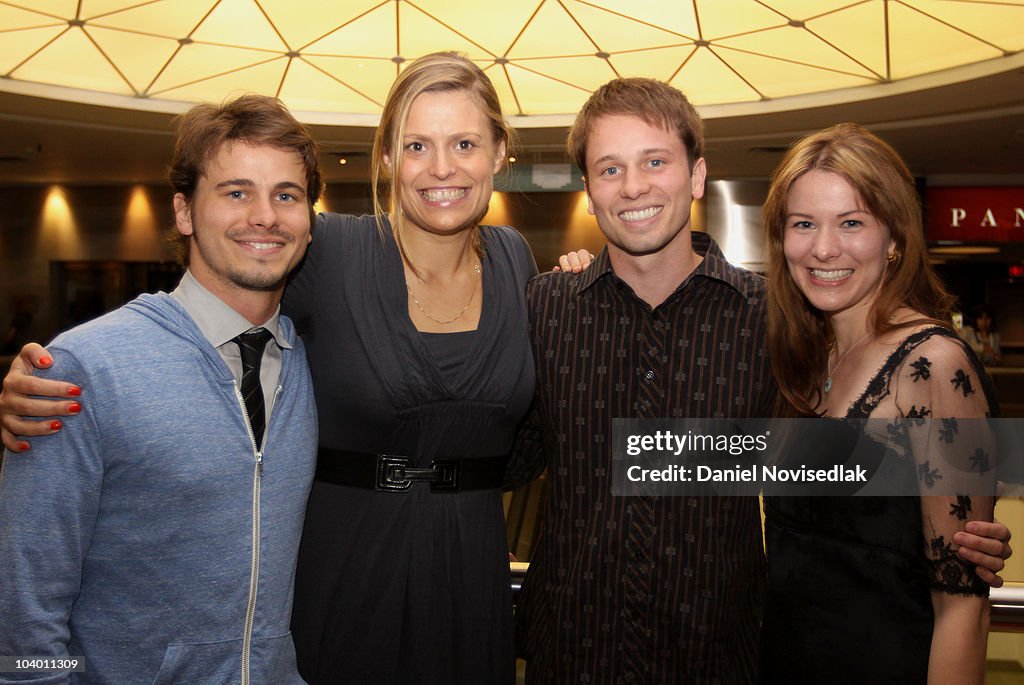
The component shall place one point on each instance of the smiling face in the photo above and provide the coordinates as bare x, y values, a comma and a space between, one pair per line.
448, 162
640, 185
836, 251
249, 219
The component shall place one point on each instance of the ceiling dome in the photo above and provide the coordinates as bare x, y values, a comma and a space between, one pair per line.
333, 62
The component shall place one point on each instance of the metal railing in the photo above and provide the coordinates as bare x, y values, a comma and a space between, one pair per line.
1007, 608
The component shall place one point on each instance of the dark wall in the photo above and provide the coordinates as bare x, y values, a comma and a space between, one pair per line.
62, 246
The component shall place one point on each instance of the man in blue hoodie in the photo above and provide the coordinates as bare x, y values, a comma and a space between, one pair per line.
156, 542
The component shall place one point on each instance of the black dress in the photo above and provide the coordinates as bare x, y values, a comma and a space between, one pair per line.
407, 587
850, 578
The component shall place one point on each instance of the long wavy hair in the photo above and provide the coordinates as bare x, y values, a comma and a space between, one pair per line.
799, 336
437, 72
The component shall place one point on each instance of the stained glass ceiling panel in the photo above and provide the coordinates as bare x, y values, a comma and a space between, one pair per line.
337, 58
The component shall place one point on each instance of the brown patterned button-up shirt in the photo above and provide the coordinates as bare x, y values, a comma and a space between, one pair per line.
642, 589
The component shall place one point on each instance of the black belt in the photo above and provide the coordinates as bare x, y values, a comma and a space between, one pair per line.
395, 473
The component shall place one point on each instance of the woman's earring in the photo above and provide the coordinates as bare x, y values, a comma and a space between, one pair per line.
893, 256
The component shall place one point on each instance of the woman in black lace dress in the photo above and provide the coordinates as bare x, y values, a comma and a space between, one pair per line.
870, 589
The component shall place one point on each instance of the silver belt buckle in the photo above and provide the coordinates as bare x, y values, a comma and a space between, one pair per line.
391, 473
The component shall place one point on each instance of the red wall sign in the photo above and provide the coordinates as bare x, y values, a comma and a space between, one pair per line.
981, 214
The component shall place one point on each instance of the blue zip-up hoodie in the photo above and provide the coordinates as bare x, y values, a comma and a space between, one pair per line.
127, 537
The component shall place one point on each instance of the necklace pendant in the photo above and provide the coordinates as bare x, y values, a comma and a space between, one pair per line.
828, 384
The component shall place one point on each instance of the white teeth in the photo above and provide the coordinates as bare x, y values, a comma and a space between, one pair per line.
831, 275
443, 195
262, 246
639, 214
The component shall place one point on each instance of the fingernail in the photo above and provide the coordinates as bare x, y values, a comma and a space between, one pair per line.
74, 391
55, 425
23, 446
74, 407
45, 361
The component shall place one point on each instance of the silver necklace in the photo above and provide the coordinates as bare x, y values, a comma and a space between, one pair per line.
476, 268
828, 363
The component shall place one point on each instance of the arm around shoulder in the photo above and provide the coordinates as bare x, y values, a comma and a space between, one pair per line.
25, 395
48, 505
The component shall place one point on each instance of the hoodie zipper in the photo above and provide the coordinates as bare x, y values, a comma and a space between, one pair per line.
254, 565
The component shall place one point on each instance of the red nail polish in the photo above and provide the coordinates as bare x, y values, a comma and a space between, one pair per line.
74, 407
55, 425
74, 391
23, 446
45, 361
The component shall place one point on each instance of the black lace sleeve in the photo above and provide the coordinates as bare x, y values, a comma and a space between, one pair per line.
943, 406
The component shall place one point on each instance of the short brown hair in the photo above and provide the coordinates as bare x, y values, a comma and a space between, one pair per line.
254, 119
653, 101
436, 72
798, 334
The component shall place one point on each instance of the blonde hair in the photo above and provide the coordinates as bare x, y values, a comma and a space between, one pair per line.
798, 334
434, 73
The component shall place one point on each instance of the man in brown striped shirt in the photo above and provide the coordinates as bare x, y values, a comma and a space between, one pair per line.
642, 589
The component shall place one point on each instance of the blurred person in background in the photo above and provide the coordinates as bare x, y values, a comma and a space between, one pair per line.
983, 337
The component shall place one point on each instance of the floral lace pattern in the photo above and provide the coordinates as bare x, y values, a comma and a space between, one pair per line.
930, 384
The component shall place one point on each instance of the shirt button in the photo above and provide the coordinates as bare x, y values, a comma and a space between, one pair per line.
649, 375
